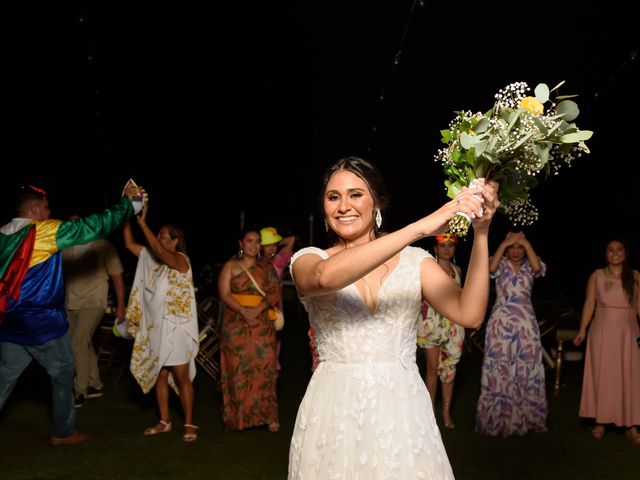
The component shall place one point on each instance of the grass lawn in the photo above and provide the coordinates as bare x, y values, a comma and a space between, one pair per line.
118, 450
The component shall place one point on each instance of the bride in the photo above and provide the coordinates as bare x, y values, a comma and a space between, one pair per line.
366, 413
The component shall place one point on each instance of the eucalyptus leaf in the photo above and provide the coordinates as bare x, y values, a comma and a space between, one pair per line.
482, 125
553, 129
513, 118
523, 139
492, 143
583, 147
541, 151
494, 159
540, 124
569, 109
580, 136
480, 148
467, 141
542, 92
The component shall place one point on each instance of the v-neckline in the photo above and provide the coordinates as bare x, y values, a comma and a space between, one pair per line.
382, 285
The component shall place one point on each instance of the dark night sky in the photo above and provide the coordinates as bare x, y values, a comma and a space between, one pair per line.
95, 95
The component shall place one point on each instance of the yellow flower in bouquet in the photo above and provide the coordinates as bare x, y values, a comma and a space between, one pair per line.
511, 143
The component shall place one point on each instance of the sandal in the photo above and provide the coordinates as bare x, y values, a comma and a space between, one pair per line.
274, 427
190, 436
160, 427
447, 421
597, 432
633, 435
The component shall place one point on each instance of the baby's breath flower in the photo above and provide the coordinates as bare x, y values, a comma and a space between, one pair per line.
522, 212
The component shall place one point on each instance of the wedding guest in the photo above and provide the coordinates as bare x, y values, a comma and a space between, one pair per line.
512, 396
366, 412
248, 289
87, 270
441, 339
278, 251
33, 321
163, 319
611, 381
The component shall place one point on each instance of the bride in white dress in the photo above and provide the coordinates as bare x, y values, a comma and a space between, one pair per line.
366, 413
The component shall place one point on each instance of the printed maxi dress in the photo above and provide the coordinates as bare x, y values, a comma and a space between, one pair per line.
366, 413
512, 394
248, 356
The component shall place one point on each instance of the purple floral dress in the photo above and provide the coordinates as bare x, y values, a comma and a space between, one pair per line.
512, 396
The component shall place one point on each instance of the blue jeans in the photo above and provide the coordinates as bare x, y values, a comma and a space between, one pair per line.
56, 356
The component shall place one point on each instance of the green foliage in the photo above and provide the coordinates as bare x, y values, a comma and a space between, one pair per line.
515, 143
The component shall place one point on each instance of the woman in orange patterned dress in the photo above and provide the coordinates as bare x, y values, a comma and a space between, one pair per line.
248, 343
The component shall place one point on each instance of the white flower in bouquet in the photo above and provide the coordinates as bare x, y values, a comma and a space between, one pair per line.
512, 143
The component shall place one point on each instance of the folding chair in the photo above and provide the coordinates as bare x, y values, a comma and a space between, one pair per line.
209, 315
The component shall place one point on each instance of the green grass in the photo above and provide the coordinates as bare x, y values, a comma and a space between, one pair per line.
118, 450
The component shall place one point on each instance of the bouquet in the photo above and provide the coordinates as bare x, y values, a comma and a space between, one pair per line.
511, 143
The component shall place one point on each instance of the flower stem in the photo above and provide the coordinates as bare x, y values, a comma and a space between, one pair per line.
459, 225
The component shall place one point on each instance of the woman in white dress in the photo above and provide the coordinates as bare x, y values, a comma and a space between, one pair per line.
366, 413
162, 316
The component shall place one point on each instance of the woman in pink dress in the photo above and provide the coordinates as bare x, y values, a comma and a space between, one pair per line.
611, 382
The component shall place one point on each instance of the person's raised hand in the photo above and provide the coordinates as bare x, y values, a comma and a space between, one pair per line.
489, 204
142, 216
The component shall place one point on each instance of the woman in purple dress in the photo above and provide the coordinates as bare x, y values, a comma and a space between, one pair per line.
512, 396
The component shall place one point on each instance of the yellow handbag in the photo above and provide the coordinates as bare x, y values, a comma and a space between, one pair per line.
274, 313
247, 300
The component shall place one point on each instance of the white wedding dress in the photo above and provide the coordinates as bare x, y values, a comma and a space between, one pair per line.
366, 413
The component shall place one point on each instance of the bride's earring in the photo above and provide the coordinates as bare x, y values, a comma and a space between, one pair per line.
378, 219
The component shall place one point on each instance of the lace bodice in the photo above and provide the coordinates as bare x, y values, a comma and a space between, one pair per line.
348, 332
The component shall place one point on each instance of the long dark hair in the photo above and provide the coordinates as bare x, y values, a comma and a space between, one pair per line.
626, 276
369, 173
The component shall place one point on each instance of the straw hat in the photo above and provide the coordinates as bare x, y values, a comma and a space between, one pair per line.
269, 236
